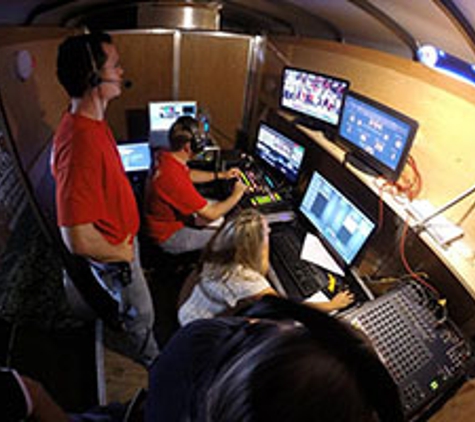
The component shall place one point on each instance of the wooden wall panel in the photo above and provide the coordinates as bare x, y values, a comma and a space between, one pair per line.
147, 60
33, 106
213, 70
444, 108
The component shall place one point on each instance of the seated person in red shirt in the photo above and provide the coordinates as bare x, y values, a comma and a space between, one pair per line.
171, 199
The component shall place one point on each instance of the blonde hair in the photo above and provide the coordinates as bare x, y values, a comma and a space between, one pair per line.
239, 241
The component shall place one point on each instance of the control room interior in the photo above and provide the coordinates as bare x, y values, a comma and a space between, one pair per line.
235, 76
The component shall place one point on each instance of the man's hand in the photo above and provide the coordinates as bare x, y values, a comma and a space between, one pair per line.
126, 248
239, 188
233, 172
87, 241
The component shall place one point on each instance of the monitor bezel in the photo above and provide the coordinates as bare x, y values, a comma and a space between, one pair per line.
272, 169
361, 157
317, 121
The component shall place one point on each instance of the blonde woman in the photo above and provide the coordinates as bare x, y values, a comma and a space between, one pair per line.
232, 272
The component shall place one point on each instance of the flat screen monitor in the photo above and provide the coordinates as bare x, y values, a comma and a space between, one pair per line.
279, 152
135, 156
344, 228
162, 115
377, 137
317, 97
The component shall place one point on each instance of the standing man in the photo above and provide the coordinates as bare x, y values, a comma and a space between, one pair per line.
97, 212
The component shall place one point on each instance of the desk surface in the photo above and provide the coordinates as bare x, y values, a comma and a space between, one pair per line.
458, 257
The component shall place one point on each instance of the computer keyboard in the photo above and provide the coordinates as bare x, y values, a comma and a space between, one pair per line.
300, 278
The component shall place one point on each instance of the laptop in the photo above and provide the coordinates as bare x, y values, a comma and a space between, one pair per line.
135, 157
340, 230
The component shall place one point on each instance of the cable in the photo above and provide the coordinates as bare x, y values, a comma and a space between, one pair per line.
409, 185
408, 268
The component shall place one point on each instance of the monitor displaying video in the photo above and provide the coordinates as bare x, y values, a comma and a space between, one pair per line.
162, 115
279, 152
377, 136
313, 95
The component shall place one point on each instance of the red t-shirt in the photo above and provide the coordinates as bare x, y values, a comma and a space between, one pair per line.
170, 198
91, 184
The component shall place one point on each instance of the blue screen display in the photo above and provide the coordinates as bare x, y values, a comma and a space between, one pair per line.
380, 134
339, 222
135, 157
279, 152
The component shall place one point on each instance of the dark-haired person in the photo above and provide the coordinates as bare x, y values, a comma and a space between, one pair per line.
283, 362
96, 208
171, 199
232, 272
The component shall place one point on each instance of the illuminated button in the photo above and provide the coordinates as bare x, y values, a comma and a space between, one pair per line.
263, 199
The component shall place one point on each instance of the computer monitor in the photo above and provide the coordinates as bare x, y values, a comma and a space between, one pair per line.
343, 227
162, 115
318, 98
279, 152
377, 138
135, 156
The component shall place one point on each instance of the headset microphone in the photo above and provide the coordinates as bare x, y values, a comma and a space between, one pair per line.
125, 83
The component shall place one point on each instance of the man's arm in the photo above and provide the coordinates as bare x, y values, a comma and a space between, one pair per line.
212, 211
87, 241
201, 176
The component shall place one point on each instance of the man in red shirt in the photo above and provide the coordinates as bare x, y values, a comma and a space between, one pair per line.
97, 212
171, 198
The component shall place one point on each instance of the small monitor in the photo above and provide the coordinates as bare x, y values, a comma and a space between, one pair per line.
162, 115
135, 156
377, 138
317, 97
279, 152
342, 226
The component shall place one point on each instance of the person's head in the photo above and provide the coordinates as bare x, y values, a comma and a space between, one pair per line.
320, 370
89, 61
185, 134
242, 240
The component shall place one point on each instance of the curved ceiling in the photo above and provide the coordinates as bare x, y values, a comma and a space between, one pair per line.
395, 26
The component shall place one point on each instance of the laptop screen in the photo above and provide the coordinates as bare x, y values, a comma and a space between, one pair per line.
279, 152
135, 156
344, 228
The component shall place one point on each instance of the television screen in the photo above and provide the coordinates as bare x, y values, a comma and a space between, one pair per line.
313, 95
375, 135
162, 115
135, 156
279, 152
343, 227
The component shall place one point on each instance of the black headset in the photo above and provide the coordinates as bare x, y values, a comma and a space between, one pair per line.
94, 79
186, 129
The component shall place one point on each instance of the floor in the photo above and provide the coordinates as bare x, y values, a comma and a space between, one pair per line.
123, 377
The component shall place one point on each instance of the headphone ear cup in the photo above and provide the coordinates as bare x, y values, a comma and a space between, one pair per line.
197, 144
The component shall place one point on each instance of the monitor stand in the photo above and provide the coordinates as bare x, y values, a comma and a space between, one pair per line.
313, 124
356, 162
